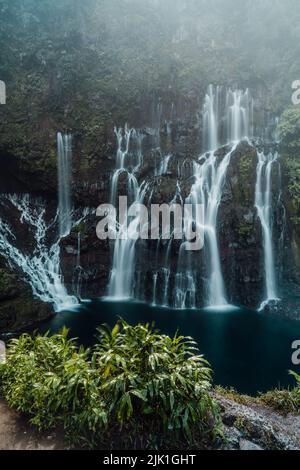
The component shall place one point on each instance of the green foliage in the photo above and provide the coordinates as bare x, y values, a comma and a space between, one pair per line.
49, 380
233, 395
134, 379
289, 128
291, 166
85, 66
245, 229
151, 374
284, 401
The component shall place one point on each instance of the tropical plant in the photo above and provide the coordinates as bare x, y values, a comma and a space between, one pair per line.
147, 374
135, 387
46, 378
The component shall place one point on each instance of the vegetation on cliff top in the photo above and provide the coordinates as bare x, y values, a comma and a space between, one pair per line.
289, 128
88, 66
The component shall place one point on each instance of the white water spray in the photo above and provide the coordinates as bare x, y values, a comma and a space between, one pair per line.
41, 267
263, 204
207, 190
239, 105
64, 153
121, 284
210, 115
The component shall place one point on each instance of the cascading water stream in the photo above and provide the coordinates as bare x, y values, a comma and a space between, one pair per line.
155, 276
209, 178
121, 283
213, 176
210, 115
41, 263
263, 204
227, 118
41, 268
206, 190
64, 154
239, 106
163, 169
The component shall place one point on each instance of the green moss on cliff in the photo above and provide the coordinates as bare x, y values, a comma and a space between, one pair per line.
289, 128
87, 67
18, 309
291, 167
290, 134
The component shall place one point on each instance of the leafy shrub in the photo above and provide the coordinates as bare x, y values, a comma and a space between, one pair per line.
289, 129
133, 382
49, 380
148, 374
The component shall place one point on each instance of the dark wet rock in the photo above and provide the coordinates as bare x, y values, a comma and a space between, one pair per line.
18, 309
240, 235
248, 445
86, 272
257, 427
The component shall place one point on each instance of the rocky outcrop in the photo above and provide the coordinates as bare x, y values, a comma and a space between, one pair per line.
18, 309
257, 427
239, 231
85, 272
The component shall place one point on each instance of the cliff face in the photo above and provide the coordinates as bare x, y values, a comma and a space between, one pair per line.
103, 68
239, 234
239, 229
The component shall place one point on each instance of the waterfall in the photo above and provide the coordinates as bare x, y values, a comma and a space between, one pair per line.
64, 153
121, 283
209, 178
185, 285
210, 115
127, 161
207, 189
163, 169
263, 204
155, 275
78, 270
227, 116
213, 175
78, 250
239, 106
41, 267
165, 292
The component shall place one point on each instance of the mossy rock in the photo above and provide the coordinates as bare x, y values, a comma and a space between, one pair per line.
18, 309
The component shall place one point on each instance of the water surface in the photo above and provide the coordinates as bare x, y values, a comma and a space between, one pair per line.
249, 351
